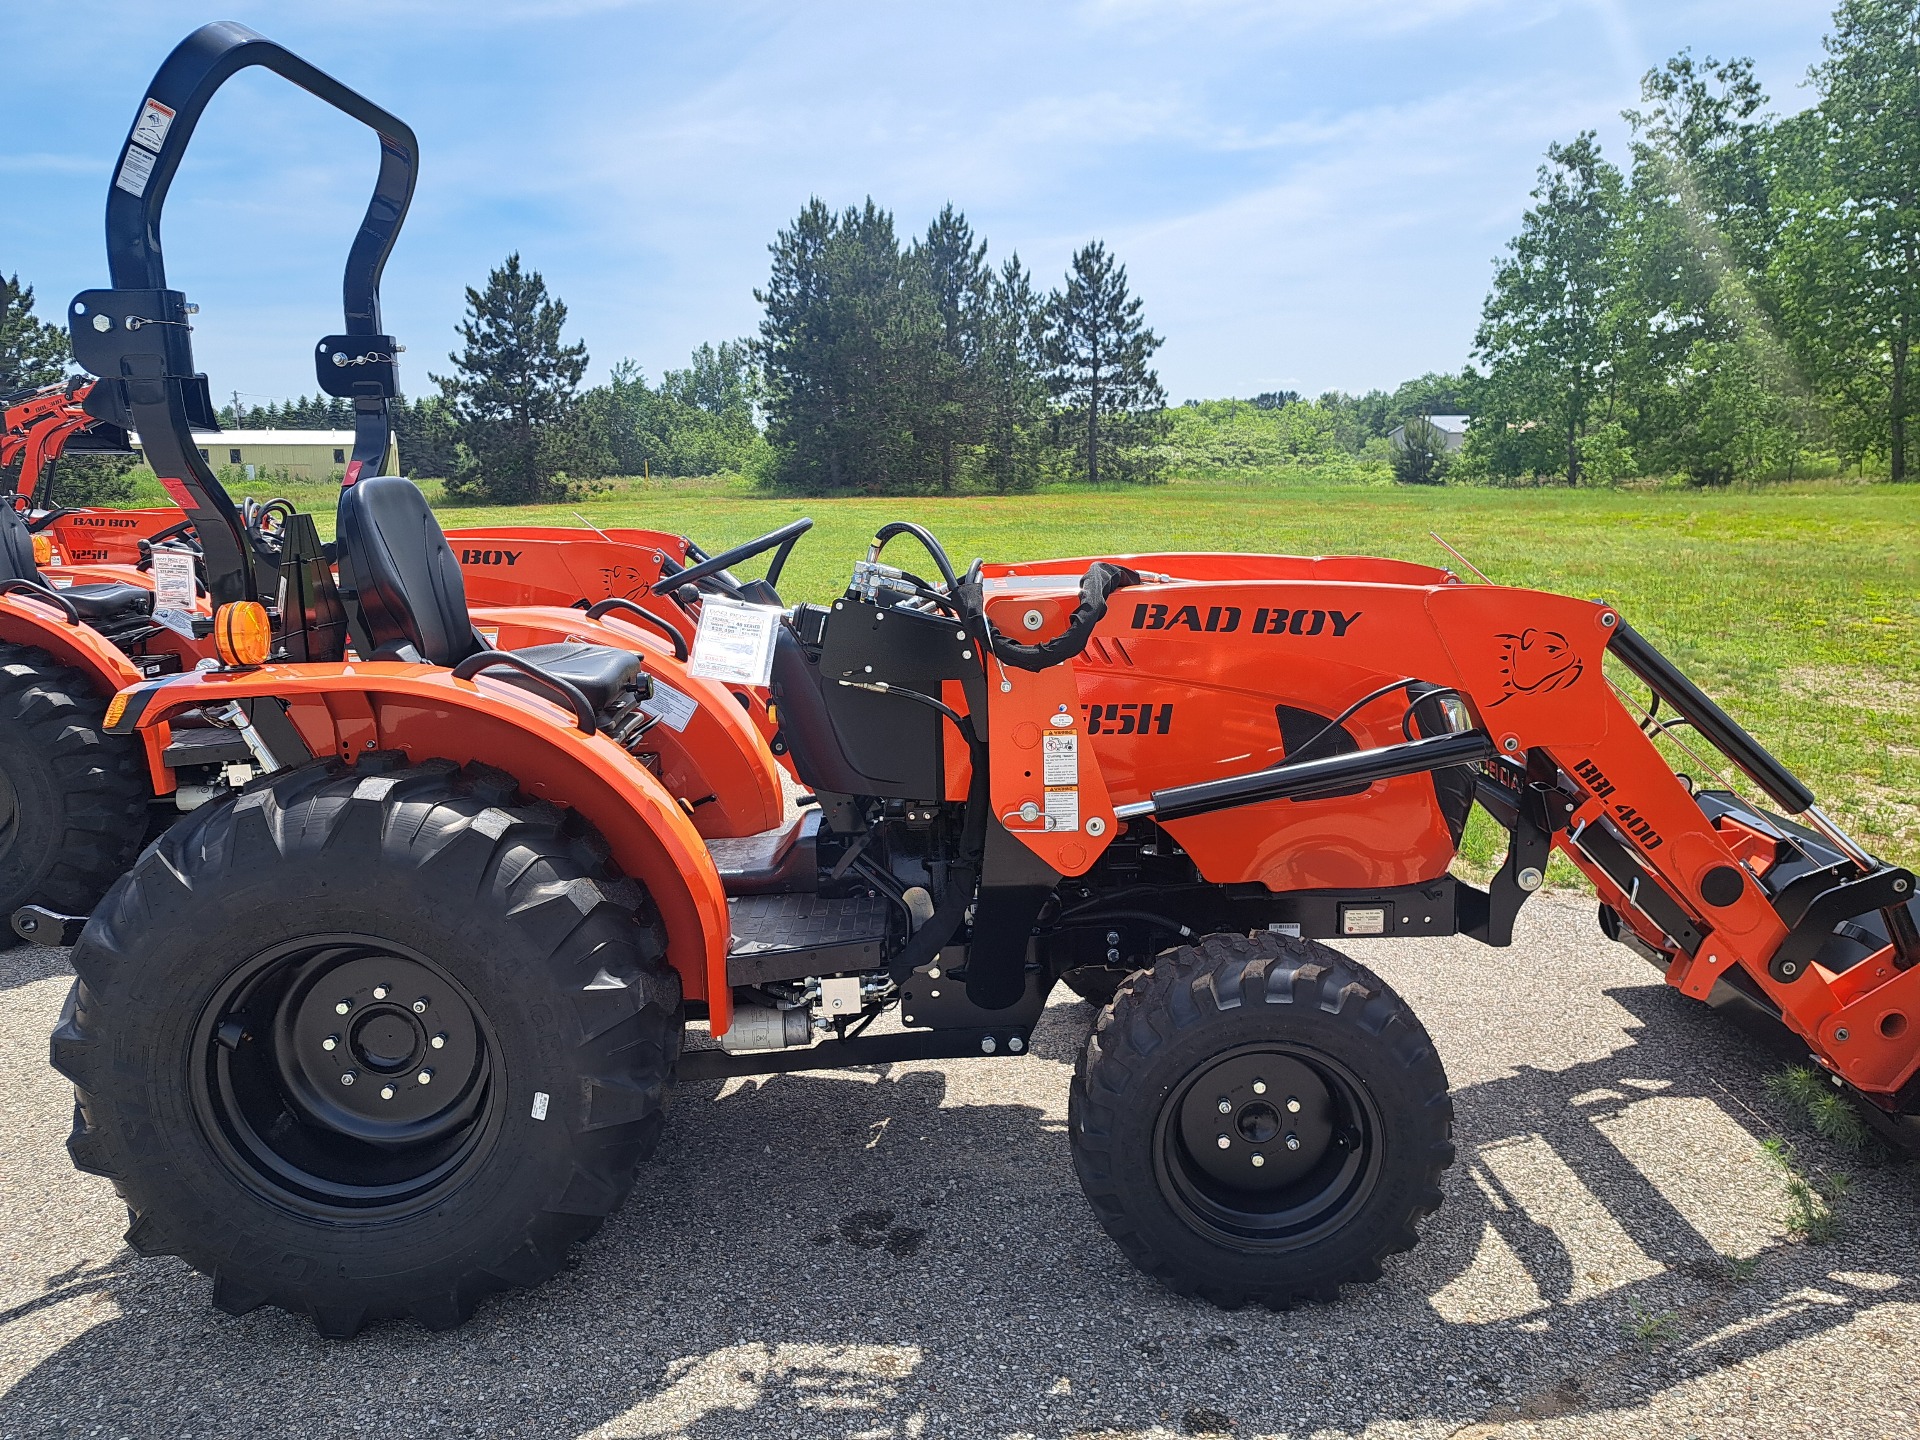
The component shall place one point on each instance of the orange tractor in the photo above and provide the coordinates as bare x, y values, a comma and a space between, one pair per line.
391, 1027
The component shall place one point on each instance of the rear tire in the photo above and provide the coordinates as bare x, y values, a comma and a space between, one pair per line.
476, 942
1328, 1096
73, 800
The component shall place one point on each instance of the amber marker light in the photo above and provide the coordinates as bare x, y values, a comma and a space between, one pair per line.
42, 550
241, 633
116, 707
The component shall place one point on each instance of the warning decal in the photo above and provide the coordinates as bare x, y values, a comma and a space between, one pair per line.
134, 171
151, 128
1060, 760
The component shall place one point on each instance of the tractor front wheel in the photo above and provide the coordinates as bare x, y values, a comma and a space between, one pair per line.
1259, 1118
370, 1043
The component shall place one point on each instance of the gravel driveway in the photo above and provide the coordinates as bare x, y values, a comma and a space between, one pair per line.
904, 1252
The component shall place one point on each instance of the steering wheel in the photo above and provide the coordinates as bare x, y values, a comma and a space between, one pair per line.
784, 538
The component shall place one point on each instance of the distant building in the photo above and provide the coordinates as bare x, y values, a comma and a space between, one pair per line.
297, 454
1452, 430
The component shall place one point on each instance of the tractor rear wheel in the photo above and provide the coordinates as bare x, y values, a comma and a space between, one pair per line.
73, 801
370, 1043
1259, 1118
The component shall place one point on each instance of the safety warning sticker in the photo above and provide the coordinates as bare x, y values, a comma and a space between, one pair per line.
134, 171
1060, 760
673, 707
151, 128
1063, 808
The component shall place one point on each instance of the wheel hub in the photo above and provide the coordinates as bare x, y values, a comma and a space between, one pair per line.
1257, 1121
1267, 1147
343, 1071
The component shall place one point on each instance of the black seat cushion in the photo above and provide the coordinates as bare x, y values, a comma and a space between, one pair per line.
600, 672
391, 551
16, 547
109, 601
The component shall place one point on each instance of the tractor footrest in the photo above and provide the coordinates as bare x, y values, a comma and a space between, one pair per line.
786, 937
211, 746
780, 859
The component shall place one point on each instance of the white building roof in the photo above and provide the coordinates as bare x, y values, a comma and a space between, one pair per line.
238, 438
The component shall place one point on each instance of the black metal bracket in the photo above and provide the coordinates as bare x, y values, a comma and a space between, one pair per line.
862, 1050
1537, 812
353, 365
1881, 890
47, 927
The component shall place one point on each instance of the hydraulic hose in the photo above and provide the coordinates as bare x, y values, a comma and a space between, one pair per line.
1103, 577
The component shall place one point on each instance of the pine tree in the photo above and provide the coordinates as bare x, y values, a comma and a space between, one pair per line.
32, 352
1014, 383
850, 336
1098, 349
515, 382
959, 279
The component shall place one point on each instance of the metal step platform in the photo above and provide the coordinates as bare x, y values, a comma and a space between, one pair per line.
785, 937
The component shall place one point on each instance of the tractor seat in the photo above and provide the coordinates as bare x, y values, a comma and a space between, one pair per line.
109, 601
599, 672
393, 555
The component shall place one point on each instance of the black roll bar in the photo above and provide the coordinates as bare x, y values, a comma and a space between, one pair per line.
134, 336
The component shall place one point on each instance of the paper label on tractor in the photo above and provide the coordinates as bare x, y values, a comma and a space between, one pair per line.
734, 641
490, 634
674, 707
1060, 760
178, 621
151, 128
1063, 808
134, 171
172, 580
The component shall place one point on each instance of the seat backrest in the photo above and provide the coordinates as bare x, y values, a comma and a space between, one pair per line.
392, 552
16, 546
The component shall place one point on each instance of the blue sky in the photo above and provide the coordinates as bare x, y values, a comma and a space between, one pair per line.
1307, 195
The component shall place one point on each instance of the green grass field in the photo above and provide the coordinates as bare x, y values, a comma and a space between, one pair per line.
1798, 607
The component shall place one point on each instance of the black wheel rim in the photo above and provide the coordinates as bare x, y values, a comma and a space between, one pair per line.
346, 1074
1268, 1148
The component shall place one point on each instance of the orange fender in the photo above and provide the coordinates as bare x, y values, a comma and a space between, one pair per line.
716, 760
346, 710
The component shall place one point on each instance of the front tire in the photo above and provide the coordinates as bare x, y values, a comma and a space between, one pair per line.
73, 800
367, 1045
1259, 1118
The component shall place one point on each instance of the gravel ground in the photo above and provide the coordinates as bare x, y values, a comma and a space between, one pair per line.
904, 1252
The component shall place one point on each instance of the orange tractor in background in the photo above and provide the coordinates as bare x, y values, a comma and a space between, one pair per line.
391, 1026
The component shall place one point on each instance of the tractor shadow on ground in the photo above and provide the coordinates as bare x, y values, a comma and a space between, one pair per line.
905, 1251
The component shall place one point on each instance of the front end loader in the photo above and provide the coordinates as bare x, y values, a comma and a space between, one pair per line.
391, 1028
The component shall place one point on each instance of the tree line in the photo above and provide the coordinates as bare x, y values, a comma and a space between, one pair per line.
1742, 298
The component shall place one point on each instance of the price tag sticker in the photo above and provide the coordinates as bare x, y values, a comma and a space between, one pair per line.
172, 580
734, 641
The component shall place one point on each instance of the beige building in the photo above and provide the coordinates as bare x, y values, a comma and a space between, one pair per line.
298, 454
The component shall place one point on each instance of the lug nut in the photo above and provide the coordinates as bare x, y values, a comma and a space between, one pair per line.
1293, 1104
425, 1077
330, 1043
1292, 1141
386, 1092
1226, 1106
1258, 1159
439, 1042
379, 992
1259, 1087
1223, 1142
420, 1006
347, 1077
343, 1007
